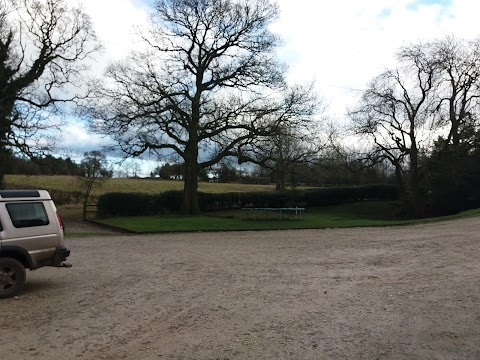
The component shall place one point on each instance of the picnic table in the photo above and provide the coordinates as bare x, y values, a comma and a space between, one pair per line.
272, 212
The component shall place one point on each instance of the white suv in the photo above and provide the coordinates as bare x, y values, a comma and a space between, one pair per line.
31, 236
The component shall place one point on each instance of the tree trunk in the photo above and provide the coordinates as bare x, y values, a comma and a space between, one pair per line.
190, 190
403, 193
89, 182
415, 198
454, 121
192, 169
190, 182
3, 156
84, 211
6, 108
3, 165
280, 173
279, 181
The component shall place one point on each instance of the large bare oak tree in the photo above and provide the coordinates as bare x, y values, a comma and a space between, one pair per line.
202, 87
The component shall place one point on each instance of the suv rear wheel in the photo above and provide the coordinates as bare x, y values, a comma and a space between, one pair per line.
12, 277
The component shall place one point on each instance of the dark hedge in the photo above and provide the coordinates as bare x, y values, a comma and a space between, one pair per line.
131, 204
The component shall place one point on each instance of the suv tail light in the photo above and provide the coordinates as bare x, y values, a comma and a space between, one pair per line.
60, 222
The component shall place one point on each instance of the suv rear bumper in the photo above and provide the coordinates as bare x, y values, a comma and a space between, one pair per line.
61, 254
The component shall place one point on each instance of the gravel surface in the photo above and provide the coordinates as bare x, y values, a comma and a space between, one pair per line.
408, 292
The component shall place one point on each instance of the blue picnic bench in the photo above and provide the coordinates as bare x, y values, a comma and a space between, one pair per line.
283, 212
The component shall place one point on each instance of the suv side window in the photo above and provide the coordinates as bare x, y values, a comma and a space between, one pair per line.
27, 214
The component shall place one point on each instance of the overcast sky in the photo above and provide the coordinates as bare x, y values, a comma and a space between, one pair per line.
341, 44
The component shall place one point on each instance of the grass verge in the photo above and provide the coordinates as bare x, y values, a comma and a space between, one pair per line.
374, 213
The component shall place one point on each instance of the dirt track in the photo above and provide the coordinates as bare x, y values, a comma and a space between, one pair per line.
374, 293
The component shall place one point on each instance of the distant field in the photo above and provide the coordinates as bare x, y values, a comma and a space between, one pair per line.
150, 186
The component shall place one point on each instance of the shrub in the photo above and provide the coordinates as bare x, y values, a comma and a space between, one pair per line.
168, 201
131, 204
125, 204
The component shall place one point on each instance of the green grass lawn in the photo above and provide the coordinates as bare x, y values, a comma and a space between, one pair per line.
367, 213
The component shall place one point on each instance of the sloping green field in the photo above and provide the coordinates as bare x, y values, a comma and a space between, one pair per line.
149, 186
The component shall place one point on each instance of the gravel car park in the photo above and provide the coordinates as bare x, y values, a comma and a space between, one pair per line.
410, 292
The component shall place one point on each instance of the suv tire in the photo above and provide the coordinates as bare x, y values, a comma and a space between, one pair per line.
12, 277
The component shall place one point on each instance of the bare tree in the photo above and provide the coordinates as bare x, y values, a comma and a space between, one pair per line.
94, 172
459, 90
395, 115
43, 48
293, 136
132, 168
199, 88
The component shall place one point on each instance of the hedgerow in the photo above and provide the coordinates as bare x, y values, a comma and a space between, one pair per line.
132, 204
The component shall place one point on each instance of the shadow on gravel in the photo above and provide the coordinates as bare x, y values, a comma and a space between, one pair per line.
88, 228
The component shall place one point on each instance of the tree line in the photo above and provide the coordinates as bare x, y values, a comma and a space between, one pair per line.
207, 88
331, 172
47, 165
93, 164
422, 118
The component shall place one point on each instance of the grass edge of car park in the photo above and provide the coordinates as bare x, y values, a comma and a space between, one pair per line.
341, 216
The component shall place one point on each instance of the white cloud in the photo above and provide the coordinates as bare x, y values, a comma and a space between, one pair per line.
343, 44
114, 22
77, 140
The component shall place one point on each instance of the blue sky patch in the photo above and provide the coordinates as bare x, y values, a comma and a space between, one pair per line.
148, 3
385, 13
414, 5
